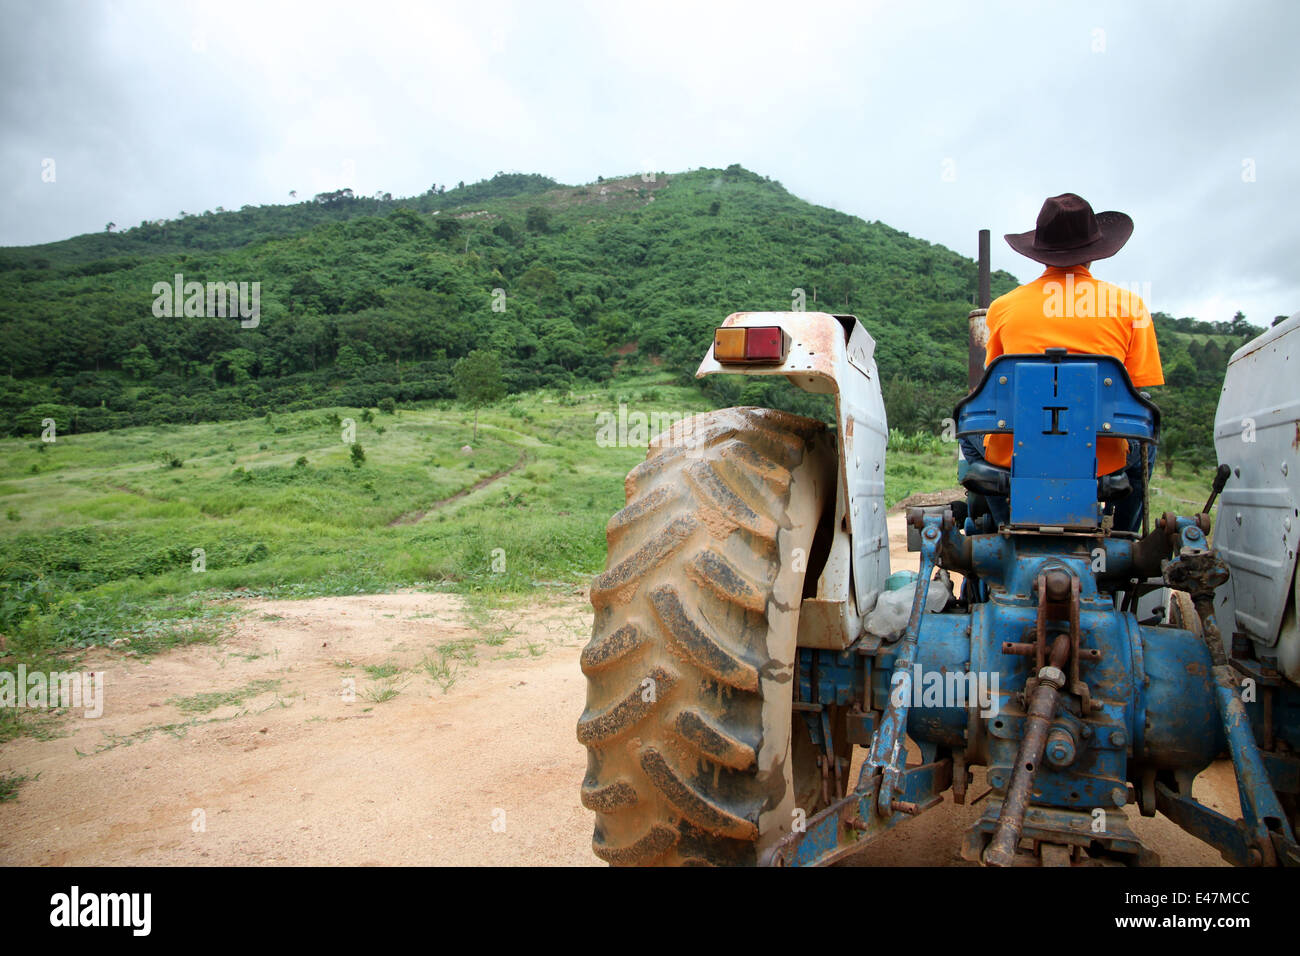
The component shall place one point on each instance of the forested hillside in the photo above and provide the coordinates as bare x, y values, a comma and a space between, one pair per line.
366, 299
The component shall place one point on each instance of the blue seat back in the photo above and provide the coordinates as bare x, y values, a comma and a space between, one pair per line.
1057, 405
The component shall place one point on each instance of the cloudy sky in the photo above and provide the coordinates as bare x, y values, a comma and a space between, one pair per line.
937, 118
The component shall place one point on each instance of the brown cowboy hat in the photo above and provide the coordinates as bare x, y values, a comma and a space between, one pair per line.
1069, 233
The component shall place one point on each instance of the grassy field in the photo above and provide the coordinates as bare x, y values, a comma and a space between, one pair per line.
129, 534
133, 538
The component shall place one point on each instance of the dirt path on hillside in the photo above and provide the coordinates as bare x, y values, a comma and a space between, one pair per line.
291, 765
411, 517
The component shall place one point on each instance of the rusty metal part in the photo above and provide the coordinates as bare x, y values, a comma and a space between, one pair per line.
979, 329
913, 809
1146, 487
1052, 607
1077, 685
1071, 828
1061, 747
1057, 583
985, 277
1001, 850
1029, 650
1220, 480
1055, 854
852, 823
888, 754
1210, 628
978, 352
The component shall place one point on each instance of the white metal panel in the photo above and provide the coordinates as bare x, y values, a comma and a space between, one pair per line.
835, 354
1257, 434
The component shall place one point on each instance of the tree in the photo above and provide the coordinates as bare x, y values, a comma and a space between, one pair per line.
478, 381
348, 362
236, 366
139, 363
537, 219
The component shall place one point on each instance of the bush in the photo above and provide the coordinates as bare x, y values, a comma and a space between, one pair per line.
358, 454
919, 443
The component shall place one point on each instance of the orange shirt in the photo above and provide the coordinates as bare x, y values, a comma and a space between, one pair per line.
1067, 308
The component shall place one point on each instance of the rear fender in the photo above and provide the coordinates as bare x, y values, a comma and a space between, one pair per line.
1257, 530
834, 354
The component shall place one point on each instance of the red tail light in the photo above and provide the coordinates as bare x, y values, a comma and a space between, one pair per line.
762, 344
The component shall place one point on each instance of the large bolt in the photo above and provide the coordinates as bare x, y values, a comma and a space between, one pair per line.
1119, 796
1117, 738
1052, 676
1060, 748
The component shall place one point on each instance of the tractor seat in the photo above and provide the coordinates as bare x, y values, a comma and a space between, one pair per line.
987, 479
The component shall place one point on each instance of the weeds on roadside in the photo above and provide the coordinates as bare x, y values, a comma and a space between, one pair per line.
382, 693
440, 672
11, 782
206, 703
383, 671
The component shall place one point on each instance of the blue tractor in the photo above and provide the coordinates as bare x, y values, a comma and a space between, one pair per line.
733, 672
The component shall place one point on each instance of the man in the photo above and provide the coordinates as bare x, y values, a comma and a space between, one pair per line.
1067, 308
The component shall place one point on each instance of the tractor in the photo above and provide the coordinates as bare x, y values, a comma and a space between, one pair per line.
741, 712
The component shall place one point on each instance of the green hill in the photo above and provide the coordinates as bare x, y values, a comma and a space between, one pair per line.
367, 299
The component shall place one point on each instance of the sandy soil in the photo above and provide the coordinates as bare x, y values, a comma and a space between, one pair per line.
486, 771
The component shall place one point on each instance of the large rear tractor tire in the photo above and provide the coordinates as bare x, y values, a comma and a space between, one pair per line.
690, 668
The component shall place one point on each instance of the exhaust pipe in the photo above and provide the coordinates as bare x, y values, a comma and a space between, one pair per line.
979, 329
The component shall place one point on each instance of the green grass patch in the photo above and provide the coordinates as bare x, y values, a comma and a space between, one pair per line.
206, 703
10, 783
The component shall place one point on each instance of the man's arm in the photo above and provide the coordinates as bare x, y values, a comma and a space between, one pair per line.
993, 348
1143, 358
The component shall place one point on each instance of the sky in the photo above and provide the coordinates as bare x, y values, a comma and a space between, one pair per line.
937, 118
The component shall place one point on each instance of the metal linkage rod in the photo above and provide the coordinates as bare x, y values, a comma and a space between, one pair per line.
1042, 711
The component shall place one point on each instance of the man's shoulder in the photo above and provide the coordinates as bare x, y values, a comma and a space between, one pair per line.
1016, 299
1123, 300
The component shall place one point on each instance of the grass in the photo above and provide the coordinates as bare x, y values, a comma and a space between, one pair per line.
440, 671
206, 703
382, 692
110, 543
10, 784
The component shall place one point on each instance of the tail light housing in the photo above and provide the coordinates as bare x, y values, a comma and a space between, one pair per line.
751, 345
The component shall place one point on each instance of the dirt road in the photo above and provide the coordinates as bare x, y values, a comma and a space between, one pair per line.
456, 747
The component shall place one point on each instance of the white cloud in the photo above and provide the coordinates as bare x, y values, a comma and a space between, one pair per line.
152, 107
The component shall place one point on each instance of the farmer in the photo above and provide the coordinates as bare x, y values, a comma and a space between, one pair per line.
1067, 308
